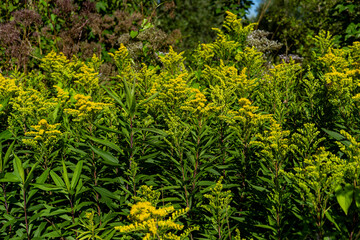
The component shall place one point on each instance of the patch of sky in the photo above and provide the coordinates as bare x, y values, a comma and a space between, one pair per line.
253, 8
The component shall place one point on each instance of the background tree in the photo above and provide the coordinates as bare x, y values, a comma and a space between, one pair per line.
293, 22
195, 19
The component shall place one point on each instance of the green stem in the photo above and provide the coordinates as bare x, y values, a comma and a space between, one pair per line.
26, 220
6, 203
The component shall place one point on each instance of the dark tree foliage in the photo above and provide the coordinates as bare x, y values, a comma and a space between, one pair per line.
294, 22
195, 19
31, 29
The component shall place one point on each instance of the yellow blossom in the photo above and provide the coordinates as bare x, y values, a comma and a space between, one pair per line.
44, 133
151, 221
85, 108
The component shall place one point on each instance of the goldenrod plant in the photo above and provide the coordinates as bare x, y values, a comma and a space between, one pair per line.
219, 209
232, 143
316, 181
151, 222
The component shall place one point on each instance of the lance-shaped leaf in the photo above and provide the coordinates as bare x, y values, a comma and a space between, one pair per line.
18, 169
76, 175
107, 157
4, 160
10, 177
106, 143
116, 97
66, 177
30, 174
130, 98
57, 180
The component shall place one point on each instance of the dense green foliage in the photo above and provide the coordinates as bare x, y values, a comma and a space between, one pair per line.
221, 146
196, 18
295, 22
29, 30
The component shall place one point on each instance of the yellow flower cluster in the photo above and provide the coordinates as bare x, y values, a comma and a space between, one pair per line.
35, 102
319, 177
225, 45
218, 200
352, 151
44, 133
145, 80
172, 93
84, 108
342, 77
95, 63
177, 130
246, 119
89, 215
150, 220
29, 105
274, 143
227, 85
53, 61
252, 59
355, 55
62, 95
196, 103
335, 58
173, 62
87, 78
147, 194
142, 211
232, 23
204, 53
7, 87
340, 84
122, 61
227, 77
81, 76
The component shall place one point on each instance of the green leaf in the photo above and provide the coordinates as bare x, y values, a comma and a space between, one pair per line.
43, 177
10, 177
53, 17
267, 227
57, 180
107, 129
114, 96
108, 235
46, 187
335, 135
106, 193
106, 143
344, 196
30, 175
77, 174
149, 98
107, 157
5, 135
101, 6
3, 161
133, 34
357, 197
18, 169
66, 177
331, 219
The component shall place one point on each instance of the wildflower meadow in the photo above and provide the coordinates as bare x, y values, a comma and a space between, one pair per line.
219, 142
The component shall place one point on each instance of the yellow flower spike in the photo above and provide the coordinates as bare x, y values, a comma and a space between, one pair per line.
44, 133
122, 61
7, 87
84, 108
173, 62
151, 220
